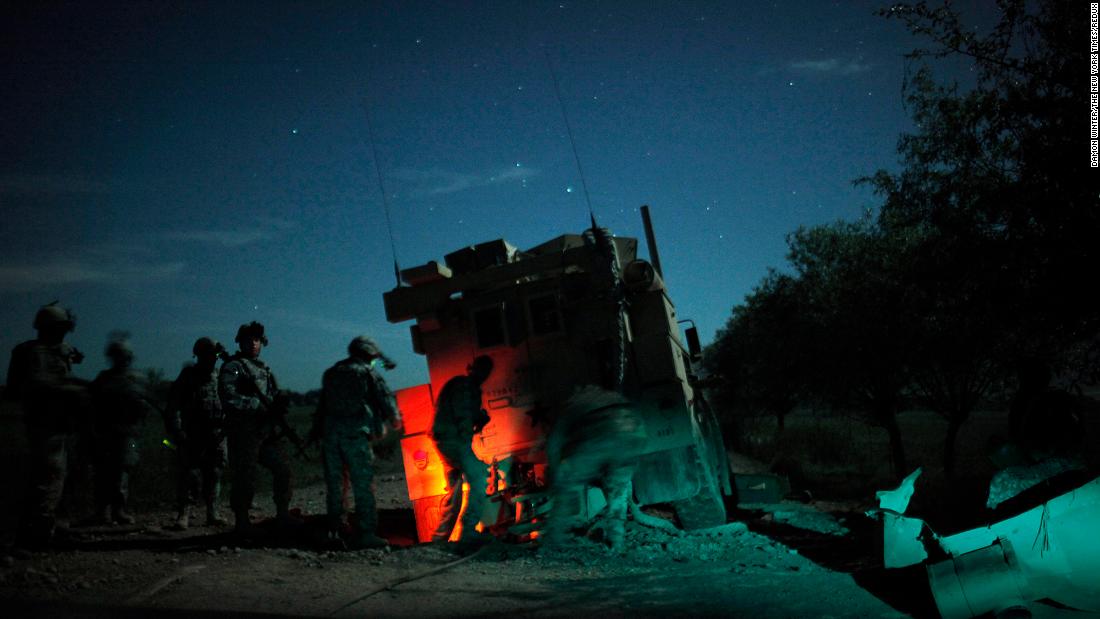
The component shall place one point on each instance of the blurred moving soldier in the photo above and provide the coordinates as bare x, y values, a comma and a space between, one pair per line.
254, 412
595, 442
120, 401
40, 376
458, 417
196, 425
355, 407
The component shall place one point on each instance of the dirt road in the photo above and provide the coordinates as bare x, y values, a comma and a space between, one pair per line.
732, 570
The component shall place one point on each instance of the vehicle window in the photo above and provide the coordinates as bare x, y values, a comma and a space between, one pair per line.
489, 323
545, 316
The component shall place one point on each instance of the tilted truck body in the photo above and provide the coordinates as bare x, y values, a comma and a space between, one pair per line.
570, 312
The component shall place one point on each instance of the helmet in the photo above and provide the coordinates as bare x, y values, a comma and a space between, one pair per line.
363, 346
54, 314
481, 366
205, 347
249, 331
119, 351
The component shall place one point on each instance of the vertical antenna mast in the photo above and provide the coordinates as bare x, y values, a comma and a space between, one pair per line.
573, 142
651, 240
382, 188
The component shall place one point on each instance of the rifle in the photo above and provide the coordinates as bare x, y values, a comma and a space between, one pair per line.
278, 408
287, 430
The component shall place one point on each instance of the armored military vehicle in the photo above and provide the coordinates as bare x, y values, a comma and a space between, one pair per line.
579, 309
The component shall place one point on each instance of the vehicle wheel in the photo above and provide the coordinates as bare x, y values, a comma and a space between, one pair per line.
716, 449
707, 508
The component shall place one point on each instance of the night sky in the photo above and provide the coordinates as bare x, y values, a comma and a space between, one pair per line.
175, 170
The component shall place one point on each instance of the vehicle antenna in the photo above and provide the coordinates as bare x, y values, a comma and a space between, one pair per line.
382, 188
573, 142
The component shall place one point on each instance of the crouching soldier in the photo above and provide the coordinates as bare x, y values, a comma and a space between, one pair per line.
355, 407
595, 441
54, 404
253, 406
120, 401
195, 423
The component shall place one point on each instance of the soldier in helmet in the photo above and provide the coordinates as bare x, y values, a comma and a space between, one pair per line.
458, 417
121, 402
252, 403
40, 376
195, 423
355, 407
596, 441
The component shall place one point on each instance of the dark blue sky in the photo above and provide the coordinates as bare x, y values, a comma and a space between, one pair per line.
176, 170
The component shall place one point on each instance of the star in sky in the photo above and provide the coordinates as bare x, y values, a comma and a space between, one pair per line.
155, 187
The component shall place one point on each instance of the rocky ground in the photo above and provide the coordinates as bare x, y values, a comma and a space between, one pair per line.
791, 559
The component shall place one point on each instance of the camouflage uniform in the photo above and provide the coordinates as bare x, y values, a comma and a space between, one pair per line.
458, 416
54, 403
120, 401
595, 442
245, 385
195, 421
355, 403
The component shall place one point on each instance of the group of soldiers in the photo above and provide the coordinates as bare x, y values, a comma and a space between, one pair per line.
58, 408
235, 415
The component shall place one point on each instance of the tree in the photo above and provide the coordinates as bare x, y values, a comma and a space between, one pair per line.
980, 255
759, 358
835, 332
308, 398
862, 336
956, 301
1003, 164
992, 181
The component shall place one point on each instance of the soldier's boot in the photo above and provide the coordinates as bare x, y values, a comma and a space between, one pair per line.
120, 515
183, 520
370, 540
475, 539
333, 535
368, 536
212, 517
101, 516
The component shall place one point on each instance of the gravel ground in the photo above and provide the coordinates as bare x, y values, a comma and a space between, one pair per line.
742, 568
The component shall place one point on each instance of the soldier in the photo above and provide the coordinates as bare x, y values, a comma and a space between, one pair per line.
254, 409
120, 403
40, 376
195, 423
595, 442
355, 407
458, 416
